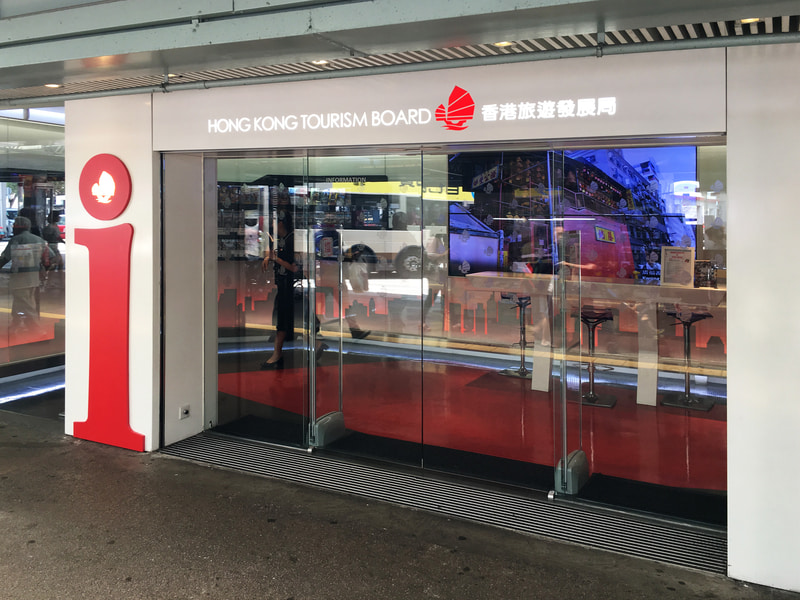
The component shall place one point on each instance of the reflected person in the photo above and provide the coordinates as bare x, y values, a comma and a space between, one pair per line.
28, 254
436, 265
329, 244
52, 235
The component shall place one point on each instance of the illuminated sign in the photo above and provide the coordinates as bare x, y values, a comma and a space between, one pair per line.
534, 100
315, 121
105, 187
486, 177
454, 116
352, 185
550, 109
602, 234
460, 109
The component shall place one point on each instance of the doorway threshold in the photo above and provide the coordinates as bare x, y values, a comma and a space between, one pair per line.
528, 512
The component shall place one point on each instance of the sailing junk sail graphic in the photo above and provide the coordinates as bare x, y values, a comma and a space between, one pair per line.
105, 188
460, 109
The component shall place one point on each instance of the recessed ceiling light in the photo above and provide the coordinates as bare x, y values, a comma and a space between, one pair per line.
320, 62
52, 85
503, 44
751, 20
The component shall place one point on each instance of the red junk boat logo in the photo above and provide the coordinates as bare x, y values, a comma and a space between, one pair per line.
460, 109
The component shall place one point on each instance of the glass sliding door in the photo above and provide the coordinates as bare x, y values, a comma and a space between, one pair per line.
521, 316
262, 299
364, 223
555, 353
485, 320
639, 311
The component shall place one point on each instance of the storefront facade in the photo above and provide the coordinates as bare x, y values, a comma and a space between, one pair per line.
489, 209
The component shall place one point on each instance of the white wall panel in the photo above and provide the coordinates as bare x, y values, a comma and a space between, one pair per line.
653, 94
763, 328
118, 126
185, 364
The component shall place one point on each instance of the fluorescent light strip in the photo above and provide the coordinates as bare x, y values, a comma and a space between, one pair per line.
32, 393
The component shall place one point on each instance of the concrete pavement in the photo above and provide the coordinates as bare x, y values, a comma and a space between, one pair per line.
81, 520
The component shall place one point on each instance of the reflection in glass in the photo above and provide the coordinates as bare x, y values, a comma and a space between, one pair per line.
262, 333
31, 281
365, 215
465, 312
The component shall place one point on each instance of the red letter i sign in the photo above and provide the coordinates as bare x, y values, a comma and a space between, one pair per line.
105, 190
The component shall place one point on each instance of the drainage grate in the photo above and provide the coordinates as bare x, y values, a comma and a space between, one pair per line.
688, 546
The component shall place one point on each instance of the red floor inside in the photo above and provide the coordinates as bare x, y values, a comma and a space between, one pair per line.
484, 412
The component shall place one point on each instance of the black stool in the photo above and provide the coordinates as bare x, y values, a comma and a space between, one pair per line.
686, 400
522, 303
592, 317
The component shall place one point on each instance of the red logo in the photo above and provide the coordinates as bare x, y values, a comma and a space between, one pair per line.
460, 109
105, 190
105, 187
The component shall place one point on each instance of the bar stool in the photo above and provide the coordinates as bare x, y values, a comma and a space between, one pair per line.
592, 317
522, 303
685, 399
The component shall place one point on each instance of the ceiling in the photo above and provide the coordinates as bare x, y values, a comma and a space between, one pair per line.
127, 46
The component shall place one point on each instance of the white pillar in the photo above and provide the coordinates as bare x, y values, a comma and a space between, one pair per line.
763, 326
120, 126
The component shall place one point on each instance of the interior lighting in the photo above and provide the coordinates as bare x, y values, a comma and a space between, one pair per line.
320, 62
52, 85
503, 44
750, 20
103, 62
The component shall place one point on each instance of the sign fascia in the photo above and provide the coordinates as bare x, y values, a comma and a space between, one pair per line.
663, 93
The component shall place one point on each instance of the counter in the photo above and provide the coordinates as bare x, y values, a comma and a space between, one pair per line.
643, 298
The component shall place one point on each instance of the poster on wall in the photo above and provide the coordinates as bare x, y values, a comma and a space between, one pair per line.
677, 266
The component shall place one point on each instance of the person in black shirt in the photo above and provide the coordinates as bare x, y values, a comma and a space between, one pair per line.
283, 262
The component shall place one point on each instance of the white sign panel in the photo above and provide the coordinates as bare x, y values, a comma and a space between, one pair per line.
643, 94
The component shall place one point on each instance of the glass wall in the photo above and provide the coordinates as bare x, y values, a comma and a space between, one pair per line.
262, 294
363, 224
553, 320
32, 234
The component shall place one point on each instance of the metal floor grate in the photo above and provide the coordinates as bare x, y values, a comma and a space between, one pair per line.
688, 546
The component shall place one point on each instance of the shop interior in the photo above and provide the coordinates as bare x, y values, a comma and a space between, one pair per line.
542, 319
